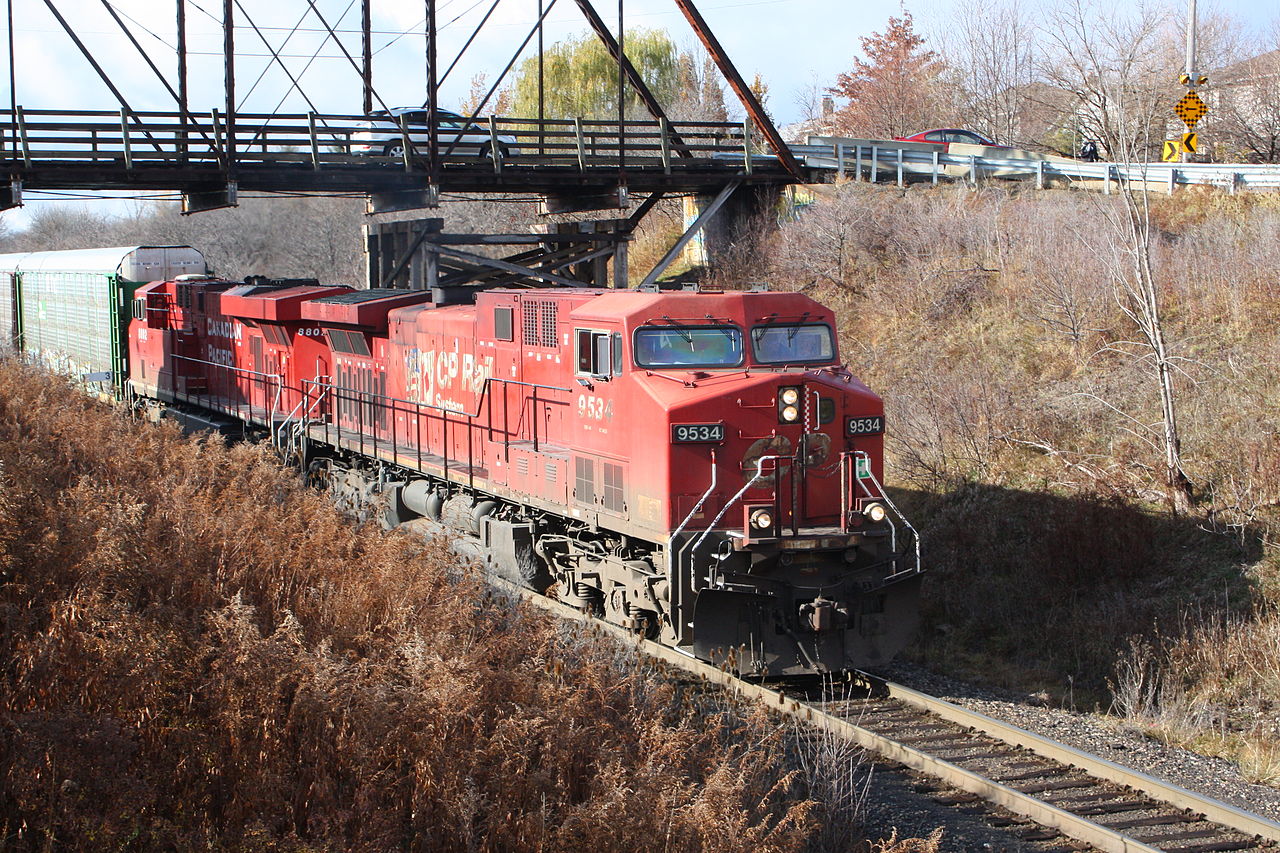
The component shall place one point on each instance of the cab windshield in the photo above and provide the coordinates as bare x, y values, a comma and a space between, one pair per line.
688, 346
793, 344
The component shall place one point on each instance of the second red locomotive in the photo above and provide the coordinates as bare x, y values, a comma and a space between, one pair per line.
694, 464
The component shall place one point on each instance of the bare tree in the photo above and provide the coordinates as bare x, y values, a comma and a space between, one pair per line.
1138, 296
1121, 69
1116, 68
992, 52
1248, 105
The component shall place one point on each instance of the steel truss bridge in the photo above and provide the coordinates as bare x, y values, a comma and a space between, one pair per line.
208, 158
212, 156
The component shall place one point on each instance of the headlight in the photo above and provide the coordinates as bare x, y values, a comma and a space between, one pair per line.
762, 519
874, 512
790, 398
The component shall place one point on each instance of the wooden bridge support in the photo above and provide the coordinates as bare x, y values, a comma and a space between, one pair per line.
416, 254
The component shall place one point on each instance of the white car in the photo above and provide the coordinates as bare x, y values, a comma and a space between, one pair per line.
382, 135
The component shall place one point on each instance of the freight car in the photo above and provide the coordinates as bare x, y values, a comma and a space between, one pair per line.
695, 465
70, 310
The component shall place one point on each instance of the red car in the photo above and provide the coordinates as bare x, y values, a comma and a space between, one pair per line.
947, 135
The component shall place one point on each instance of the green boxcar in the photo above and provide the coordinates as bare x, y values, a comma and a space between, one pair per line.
70, 310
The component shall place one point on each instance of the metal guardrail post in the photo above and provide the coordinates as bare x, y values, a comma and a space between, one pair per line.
124, 135
973, 169
840, 161
935, 168
899, 167
315, 145
858, 165
582, 143
875, 162
22, 137
494, 150
1106, 180
746, 146
1173, 178
664, 139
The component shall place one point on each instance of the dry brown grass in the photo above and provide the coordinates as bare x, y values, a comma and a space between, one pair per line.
199, 653
1026, 423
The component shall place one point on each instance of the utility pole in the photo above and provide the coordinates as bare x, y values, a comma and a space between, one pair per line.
1191, 42
1190, 75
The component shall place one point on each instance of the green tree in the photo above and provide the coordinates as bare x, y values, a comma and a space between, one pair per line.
580, 78
896, 89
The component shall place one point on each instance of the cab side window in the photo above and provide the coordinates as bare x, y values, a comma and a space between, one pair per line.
599, 354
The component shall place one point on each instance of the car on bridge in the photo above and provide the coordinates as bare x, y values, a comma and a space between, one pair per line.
948, 135
382, 135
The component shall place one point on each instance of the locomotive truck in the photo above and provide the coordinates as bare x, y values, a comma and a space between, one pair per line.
696, 465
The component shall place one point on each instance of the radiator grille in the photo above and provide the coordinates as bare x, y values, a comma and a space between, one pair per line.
584, 484
551, 472
613, 499
522, 464
539, 326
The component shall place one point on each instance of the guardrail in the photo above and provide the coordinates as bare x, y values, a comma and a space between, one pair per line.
874, 162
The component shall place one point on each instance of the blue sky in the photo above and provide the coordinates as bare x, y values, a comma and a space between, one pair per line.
793, 44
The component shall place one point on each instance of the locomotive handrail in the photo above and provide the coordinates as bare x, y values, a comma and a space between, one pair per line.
265, 377
701, 500
693, 551
884, 495
479, 408
419, 410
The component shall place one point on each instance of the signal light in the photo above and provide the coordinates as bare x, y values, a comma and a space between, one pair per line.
789, 401
762, 519
875, 513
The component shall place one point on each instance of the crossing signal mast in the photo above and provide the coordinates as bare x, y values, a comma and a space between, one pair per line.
1191, 108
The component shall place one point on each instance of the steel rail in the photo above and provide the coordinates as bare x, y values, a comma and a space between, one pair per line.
1214, 810
1026, 805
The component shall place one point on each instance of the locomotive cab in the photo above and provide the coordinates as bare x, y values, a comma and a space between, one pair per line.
783, 541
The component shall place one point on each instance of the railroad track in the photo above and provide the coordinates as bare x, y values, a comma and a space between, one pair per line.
1080, 796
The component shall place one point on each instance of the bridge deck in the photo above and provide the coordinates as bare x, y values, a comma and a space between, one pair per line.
47, 149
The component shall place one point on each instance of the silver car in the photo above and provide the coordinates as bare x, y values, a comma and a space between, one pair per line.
382, 136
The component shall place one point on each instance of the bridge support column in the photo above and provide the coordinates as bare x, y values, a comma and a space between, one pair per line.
11, 195
744, 215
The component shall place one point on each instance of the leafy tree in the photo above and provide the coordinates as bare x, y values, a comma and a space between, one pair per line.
896, 89
580, 78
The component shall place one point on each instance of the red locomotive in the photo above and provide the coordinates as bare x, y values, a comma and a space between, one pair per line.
696, 465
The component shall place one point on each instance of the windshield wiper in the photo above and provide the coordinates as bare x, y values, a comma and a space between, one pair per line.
791, 332
684, 332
